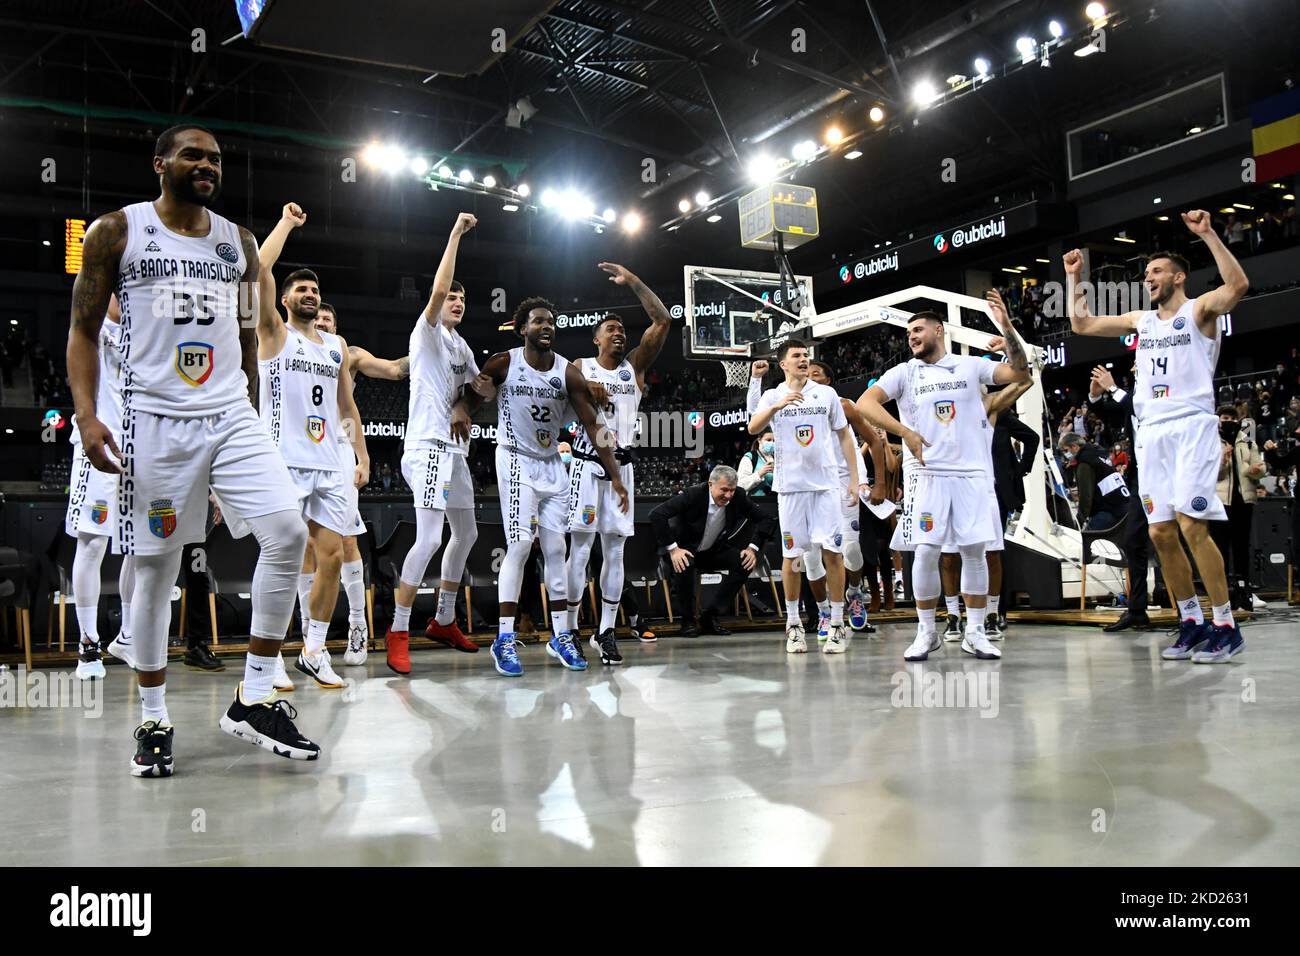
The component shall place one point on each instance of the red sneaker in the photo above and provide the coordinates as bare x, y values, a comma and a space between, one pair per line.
450, 635
399, 651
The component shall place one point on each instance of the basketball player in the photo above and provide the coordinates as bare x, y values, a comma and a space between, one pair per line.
617, 378
306, 404
189, 371
948, 487
535, 387
360, 362
1178, 431
434, 460
803, 415
92, 509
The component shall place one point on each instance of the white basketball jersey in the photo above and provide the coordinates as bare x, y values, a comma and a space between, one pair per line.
108, 400
532, 406
1175, 366
807, 452
180, 317
619, 414
943, 403
441, 363
299, 400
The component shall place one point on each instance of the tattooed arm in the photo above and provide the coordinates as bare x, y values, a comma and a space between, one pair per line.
653, 339
1017, 367
250, 298
101, 260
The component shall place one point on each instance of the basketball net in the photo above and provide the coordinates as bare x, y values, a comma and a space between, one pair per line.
736, 373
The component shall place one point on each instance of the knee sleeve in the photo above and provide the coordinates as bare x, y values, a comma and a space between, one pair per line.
126, 589
155, 575
428, 535
853, 554
974, 570
925, 573
283, 539
464, 532
580, 545
85, 568
511, 577
557, 584
611, 571
813, 565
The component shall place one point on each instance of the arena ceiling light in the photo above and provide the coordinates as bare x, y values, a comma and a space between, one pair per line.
1242, 205
1124, 238
1027, 47
1289, 197
1044, 261
609, 215
1162, 218
524, 190
574, 205
924, 93
549, 198
804, 149
419, 165
489, 181
877, 114
1194, 130
684, 205
1227, 209
444, 171
465, 176
1056, 30
631, 222
1157, 201
510, 207
1095, 12
702, 198
762, 168
833, 135
981, 68
372, 155
715, 218
853, 154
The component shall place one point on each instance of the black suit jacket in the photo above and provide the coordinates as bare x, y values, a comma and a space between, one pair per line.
1120, 413
1009, 470
682, 518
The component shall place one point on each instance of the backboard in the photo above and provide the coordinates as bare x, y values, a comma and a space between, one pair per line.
728, 310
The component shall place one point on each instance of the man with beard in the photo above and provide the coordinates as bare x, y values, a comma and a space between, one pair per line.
1178, 432
189, 375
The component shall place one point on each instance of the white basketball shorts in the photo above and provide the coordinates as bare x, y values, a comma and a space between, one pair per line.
1179, 471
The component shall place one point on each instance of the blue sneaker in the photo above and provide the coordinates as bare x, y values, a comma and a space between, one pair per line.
823, 626
1190, 638
504, 656
1224, 642
564, 651
857, 611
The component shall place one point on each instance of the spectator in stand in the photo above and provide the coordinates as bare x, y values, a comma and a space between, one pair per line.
757, 468
1240, 471
1234, 235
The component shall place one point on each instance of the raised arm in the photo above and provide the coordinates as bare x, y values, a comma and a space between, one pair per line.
1216, 302
363, 363
1082, 321
754, 391
250, 293
101, 260
1016, 368
351, 418
270, 325
447, 267
652, 340
600, 436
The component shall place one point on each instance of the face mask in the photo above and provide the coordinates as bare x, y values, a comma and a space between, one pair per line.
1229, 430
1069, 456
767, 447
565, 457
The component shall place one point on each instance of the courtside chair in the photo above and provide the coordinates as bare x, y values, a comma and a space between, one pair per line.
1115, 536
14, 593
63, 550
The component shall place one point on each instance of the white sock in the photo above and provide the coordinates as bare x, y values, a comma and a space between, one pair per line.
926, 616
354, 585
446, 606
975, 618
506, 626
837, 612
823, 607
1223, 615
317, 631
153, 704
88, 620
573, 617
304, 598
126, 618
608, 615
559, 622
792, 613
259, 678
1190, 610
994, 601
401, 618
953, 607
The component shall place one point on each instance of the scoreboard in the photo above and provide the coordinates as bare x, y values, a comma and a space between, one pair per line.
778, 209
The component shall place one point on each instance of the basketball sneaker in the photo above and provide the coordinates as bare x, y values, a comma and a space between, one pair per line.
838, 642
281, 681
321, 671
564, 650
450, 634
857, 610
153, 750
122, 648
993, 628
1191, 636
1224, 642
607, 646
976, 643
641, 632
398, 644
504, 657
926, 643
795, 642
953, 632
268, 724
90, 665
823, 626
358, 645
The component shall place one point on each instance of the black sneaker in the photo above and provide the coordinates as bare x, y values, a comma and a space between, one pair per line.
90, 664
607, 646
641, 632
153, 750
268, 724
200, 657
577, 642
954, 631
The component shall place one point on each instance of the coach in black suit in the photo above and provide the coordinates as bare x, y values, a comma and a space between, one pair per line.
703, 526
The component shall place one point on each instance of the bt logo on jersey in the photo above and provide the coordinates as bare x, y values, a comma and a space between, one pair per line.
1159, 391
945, 411
194, 362
316, 428
803, 434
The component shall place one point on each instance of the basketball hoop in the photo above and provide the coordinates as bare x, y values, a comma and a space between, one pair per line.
737, 373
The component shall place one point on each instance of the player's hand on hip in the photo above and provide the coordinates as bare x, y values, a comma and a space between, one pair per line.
1073, 261
758, 369
293, 214
1198, 221
681, 559
361, 476
747, 559
460, 423
915, 443
97, 441
617, 274
465, 222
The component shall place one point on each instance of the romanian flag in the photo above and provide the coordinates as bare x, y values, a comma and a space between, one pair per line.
1275, 134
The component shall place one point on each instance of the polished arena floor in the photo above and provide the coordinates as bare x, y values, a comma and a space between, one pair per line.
1079, 748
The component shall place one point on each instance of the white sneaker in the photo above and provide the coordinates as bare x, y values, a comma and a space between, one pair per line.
320, 670
976, 642
795, 643
123, 648
281, 680
358, 638
1256, 602
926, 643
838, 642
89, 664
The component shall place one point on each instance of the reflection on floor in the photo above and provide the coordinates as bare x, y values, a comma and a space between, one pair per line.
1078, 748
